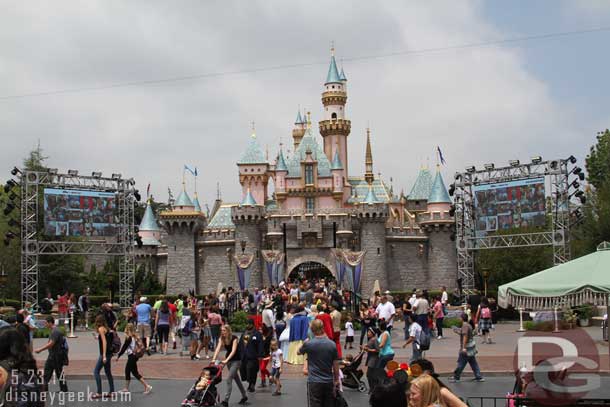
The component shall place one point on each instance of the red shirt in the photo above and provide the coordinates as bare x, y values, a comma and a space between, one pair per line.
172, 308
62, 304
328, 324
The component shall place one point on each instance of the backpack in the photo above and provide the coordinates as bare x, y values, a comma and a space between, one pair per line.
485, 313
116, 343
424, 341
139, 349
188, 328
24, 389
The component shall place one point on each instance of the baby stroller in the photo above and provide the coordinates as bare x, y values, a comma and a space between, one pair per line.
352, 374
208, 396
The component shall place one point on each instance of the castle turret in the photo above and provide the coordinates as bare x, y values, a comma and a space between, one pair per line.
368, 160
336, 169
149, 229
248, 218
182, 225
335, 127
299, 129
196, 205
254, 170
281, 170
439, 200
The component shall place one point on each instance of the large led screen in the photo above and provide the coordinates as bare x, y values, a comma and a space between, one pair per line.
70, 212
508, 205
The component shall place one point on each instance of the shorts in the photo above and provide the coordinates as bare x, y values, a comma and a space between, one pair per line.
349, 339
144, 330
188, 339
163, 332
275, 372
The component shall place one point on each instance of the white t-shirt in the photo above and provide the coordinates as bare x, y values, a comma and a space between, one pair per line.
444, 298
350, 328
385, 311
268, 318
412, 300
276, 359
415, 330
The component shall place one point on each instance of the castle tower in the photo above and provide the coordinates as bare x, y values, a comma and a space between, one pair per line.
254, 171
336, 169
368, 160
299, 130
196, 205
249, 217
150, 232
335, 127
182, 225
281, 170
372, 215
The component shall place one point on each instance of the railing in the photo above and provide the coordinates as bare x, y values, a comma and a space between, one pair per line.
233, 305
317, 211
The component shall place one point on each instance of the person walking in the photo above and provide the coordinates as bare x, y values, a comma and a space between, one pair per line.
335, 316
131, 345
415, 331
83, 306
386, 353
439, 316
215, 322
421, 309
322, 367
373, 373
57, 355
162, 325
143, 311
104, 338
468, 352
365, 321
252, 344
386, 311
232, 361
483, 318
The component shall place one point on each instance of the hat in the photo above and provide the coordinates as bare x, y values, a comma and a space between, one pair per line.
387, 292
268, 303
143, 299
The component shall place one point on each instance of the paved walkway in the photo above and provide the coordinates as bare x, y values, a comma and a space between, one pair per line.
496, 358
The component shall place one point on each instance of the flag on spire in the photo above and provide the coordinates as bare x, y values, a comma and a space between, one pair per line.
440, 155
187, 168
148, 191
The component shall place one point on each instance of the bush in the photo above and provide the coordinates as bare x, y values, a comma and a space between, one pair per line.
449, 322
239, 321
545, 326
44, 332
10, 303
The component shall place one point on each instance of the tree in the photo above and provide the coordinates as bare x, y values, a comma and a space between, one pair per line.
35, 160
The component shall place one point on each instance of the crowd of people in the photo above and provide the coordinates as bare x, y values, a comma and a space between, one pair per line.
295, 323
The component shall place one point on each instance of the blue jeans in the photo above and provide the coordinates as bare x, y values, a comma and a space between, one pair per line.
417, 353
464, 359
383, 360
107, 370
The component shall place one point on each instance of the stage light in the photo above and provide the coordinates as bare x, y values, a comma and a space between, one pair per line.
137, 195
451, 189
12, 196
457, 176
139, 242
576, 170
452, 210
10, 235
116, 176
554, 164
536, 160
572, 159
96, 174
12, 222
9, 185
15, 171
73, 173
131, 182
579, 193
581, 176
583, 199
489, 166
9, 208
575, 184
514, 163
471, 169
52, 171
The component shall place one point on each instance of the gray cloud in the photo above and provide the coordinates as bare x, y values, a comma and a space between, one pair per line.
478, 104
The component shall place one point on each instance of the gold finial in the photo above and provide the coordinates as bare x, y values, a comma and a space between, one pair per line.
332, 48
253, 130
308, 120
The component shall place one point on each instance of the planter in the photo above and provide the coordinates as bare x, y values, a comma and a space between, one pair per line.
583, 322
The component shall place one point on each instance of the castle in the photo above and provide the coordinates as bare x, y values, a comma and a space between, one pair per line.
318, 219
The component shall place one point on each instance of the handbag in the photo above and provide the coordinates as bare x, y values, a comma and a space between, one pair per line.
471, 348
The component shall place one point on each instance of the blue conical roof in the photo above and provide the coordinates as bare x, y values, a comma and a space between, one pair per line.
248, 200
281, 163
253, 154
422, 187
299, 119
149, 222
196, 203
336, 164
371, 198
183, 199
438, 194
342, 75
333, 72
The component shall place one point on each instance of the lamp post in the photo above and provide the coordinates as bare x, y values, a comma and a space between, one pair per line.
485, 277
3, 283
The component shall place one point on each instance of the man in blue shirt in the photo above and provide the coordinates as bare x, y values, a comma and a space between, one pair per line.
143, 310
252, 343
322, 367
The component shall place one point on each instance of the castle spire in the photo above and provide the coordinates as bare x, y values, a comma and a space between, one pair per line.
368, 160
333, 73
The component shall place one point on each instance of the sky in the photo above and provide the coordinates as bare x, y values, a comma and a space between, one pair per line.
410, 78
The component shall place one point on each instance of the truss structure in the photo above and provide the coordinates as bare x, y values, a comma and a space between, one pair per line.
555, 174
33, 243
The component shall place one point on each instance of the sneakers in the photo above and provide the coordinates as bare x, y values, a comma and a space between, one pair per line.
148, 389
225, 404
197, 356
243, 401
479, 379
453, 380
439, 337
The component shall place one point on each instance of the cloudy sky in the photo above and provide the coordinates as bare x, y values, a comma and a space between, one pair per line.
480, 104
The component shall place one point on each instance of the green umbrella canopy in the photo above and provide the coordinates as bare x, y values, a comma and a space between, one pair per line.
577, 282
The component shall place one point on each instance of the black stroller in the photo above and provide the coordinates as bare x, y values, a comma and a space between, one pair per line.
352, 374
208, 396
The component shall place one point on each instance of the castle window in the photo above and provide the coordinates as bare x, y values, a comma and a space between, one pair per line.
333, 86
333, 116
309, 174
310, 205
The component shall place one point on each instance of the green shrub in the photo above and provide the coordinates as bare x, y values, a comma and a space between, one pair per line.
239, 320
450, 322
44, 332
10, 303
545, 326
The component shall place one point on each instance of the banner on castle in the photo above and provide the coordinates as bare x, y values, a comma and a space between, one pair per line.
274, 264
243, 263
348, 268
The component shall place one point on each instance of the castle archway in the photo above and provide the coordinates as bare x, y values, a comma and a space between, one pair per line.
310, 267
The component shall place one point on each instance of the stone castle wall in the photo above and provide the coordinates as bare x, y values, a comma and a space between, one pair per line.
181, 261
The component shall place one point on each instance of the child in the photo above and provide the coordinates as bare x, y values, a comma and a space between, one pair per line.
195, 394
277, 360
349, 326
